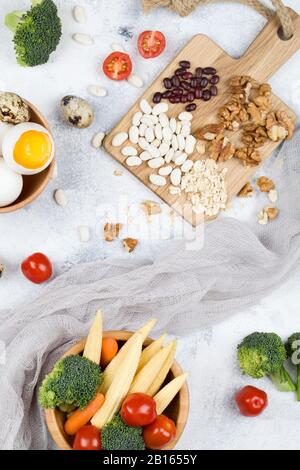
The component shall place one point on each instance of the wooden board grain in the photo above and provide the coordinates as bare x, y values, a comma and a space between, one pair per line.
262, 59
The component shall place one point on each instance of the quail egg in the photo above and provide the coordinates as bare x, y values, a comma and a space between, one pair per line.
28, 148
77, 111
11, 185
13, 109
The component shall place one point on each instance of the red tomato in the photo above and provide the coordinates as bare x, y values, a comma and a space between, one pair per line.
138, 409
159, 433
117, 66
37, 268
87, 438
151, 44
251, 401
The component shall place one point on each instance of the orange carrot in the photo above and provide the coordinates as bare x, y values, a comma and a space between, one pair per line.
81, 417
109, 350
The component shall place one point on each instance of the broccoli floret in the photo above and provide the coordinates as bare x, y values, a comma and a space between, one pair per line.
293, 346
73, 382
263, 354
116, 435
37, 32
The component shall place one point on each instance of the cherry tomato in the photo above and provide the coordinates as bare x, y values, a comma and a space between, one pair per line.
251, 401
159, 433
37, 268
117, 66
138, 409
151, 44
87, 438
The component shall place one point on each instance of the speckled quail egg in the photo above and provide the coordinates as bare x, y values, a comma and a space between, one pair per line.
11, 185
13, 109
28, 148
4, 127
77, 111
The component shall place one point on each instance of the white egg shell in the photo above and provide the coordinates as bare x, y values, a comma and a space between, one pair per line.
4, 127
12, 136
11, 185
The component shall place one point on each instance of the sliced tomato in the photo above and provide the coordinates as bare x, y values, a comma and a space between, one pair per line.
151, 44
117, 66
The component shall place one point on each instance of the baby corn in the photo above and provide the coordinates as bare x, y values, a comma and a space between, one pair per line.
93, 343
120, 384
161, 376
150, 351
164, 397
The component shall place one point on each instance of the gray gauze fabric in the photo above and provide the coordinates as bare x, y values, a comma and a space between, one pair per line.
186, 290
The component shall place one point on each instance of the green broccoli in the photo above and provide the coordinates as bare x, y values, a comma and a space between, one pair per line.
37, 32
116, 435
73, 383
262, 354
293, 346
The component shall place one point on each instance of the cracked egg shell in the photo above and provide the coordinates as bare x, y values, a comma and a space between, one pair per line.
13, 109
28, 148
77, 111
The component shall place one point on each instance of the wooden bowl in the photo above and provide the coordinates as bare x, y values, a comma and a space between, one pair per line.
33, 185
178, 409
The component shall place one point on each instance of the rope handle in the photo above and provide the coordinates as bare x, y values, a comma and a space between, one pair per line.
185, 7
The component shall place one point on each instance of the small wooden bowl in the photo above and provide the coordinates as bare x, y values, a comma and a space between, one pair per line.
178, 410
33, 185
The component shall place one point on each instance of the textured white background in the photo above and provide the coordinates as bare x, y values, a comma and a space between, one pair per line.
87, 177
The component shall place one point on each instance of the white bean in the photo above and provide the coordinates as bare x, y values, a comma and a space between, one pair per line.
156, 142
79, 14
163, 119
185, 116
142, 129
119, 139
175, 177
149, 135
133, 161
187, 166
164, 148
156, 162
83, 39
98, 139
153, 151
134, 134
135, 81
143, 143
60, 198
174, 143
180, 159
160, 108
128, 151
173, 124
167, 133
157, 180
185, 131
145, 106
190, 144
158, 131
145, 156
178, 127
136, 120
97, 90
165, 170
181, 142
169, 156
146, 119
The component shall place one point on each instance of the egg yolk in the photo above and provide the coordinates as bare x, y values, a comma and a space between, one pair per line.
33, 150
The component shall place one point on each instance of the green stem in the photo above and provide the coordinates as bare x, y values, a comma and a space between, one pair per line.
298, 382
13, 19
283, 381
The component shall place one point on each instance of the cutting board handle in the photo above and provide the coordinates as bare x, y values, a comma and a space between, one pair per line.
270, 50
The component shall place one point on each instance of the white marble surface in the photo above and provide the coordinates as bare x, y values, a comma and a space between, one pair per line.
87, 177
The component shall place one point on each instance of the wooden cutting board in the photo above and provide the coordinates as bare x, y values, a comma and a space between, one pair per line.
262, 59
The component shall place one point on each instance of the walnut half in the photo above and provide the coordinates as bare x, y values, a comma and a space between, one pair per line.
246, 191
265, 184
130, 244
248, 156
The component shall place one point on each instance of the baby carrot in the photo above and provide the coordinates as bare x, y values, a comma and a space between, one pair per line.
109, 350
81, 417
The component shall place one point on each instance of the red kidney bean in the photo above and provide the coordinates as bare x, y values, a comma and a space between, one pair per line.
167, 83
185, 64
190, 96
157, 97
187, 75
206, 95
183, 99
204, 82
198, 93
214, 79
194, 82
213, 90
199, 72
186, 86
174, 99
167, 94
209, 71
180, 71
191, 107
175, 81
177, 91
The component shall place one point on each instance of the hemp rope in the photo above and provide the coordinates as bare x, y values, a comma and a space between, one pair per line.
185, 7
